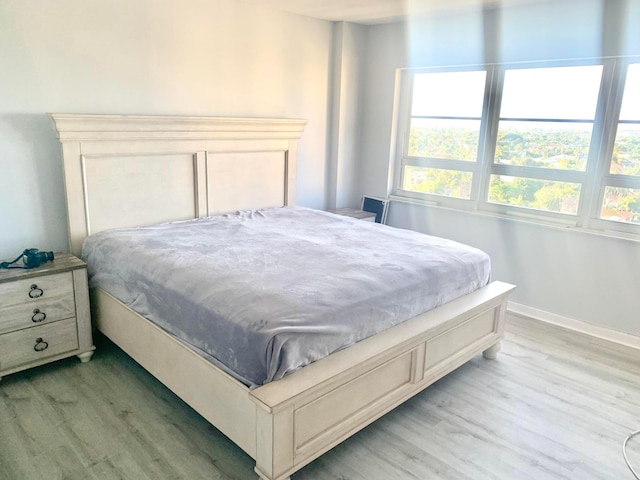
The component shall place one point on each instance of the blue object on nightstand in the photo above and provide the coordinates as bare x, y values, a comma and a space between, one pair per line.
377, 206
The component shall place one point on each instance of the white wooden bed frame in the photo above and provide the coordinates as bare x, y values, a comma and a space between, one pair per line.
123, 171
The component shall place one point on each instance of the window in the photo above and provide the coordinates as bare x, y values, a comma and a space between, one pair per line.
621, 193
545, 141
444, 133
544, 133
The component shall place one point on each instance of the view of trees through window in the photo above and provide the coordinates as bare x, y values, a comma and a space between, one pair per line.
544, 145
619, 203
545, 125
562, 149
452, 139
438, 181
556, 147
561, 197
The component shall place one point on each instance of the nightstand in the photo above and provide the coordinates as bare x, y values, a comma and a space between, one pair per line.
355, 213
44, 314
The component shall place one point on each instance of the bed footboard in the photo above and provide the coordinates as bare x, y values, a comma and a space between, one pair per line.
302, 416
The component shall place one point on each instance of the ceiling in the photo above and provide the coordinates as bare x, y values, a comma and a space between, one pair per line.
371, 12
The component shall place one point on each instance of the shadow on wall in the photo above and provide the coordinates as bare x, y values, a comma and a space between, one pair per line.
31, 153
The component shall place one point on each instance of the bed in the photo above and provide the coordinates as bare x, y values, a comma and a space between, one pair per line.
129, 171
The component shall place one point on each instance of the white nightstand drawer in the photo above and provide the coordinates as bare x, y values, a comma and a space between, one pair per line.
38, 312
30, 290
34, 344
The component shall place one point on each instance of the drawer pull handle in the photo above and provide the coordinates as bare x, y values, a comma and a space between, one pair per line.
38, 316
40, 345
35, 292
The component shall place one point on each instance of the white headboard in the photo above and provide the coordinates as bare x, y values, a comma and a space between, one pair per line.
125, 171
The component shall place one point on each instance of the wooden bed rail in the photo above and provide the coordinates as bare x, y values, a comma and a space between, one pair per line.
303, 415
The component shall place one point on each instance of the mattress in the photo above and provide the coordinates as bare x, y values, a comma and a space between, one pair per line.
263, 293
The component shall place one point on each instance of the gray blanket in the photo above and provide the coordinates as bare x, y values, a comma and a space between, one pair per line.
263, 293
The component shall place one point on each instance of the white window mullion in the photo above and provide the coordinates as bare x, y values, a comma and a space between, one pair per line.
539, 173
622, 181
403, 116
441, 164
491, 114
603, 139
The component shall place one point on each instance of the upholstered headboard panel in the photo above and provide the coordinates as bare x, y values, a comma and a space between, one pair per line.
124, 171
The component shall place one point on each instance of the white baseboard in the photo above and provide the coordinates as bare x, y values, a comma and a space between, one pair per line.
602, 333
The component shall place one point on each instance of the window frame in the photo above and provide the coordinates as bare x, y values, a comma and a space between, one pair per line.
447, 164
593, 180
538, 173
604, 177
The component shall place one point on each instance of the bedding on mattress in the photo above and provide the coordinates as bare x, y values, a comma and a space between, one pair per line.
262, 293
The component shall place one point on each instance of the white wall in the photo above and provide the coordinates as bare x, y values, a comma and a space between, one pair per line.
222, 57
348, 80
587, 277
174, 57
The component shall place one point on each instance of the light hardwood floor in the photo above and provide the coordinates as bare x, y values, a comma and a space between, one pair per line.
554, 405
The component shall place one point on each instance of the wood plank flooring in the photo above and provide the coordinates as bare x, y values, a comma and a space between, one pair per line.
554, 405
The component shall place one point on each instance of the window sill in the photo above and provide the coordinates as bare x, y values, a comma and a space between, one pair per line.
522, 219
